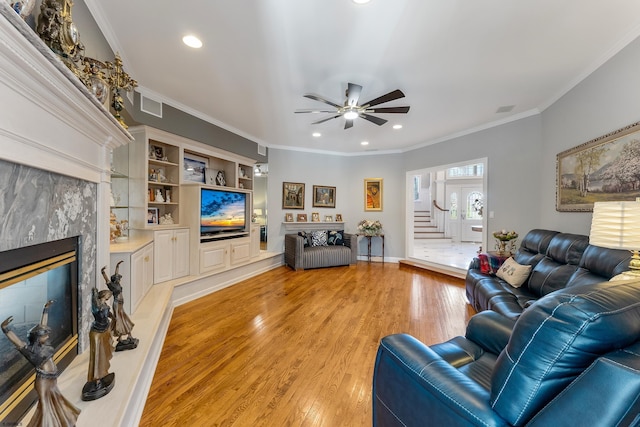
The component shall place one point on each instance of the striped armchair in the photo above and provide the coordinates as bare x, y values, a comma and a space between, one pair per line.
297, 256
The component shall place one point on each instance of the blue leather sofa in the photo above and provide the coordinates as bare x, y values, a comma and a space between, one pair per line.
558, 260
570, 359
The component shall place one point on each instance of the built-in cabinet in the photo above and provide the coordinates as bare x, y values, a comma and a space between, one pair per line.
136, 270
164, 175
171, 250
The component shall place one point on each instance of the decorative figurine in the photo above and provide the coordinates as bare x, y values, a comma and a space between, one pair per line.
159, 197
99, 380
53, 408
122, 323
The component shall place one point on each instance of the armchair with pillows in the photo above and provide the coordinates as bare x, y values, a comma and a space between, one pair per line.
320, 248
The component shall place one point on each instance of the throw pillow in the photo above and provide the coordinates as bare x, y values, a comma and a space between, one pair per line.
306, 237
335, 238
513, 273
319, 238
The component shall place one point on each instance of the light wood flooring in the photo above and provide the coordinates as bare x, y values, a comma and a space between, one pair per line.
293, 348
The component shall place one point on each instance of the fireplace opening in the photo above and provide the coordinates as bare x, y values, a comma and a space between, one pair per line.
29, 277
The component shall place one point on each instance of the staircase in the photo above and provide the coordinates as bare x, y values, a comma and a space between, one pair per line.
423, 227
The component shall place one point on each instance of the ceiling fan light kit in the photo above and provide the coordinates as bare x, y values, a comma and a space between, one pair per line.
352, 110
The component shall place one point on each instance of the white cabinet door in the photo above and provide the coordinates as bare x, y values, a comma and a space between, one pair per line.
240, 252
181, 253
148, 268
255, 240
163, 255
137, 279
214, 257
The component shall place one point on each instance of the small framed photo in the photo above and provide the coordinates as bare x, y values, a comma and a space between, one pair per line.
339, 218
302, 218
328, 218
194, 168
153, 216
156, 152
292, 195
324, 197
221, 179
373, 194
288, 217
315, 217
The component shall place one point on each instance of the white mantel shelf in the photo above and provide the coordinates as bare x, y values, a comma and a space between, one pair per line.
313, 225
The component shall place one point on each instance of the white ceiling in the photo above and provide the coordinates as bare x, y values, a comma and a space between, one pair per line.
456, 61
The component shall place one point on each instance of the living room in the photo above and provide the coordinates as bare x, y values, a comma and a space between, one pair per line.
521, 156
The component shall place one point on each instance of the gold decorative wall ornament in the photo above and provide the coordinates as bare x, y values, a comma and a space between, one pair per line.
119, 80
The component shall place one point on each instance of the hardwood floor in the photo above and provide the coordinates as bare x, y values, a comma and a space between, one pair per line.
293, 348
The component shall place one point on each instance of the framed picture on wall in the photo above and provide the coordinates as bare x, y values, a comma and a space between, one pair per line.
324, 197
599, 170
292, 195
373, 194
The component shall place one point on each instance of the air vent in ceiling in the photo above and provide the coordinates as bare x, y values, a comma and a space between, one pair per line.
505, 109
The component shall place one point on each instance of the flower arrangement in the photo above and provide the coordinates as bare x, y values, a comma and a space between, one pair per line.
504, 235
369, 227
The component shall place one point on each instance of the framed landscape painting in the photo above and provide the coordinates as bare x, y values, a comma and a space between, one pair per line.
603, 169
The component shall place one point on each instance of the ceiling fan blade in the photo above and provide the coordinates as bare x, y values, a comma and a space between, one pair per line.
388, 110
373, 119
353, 94
326, 120
321, 99
314, 111
348, 123
396, 94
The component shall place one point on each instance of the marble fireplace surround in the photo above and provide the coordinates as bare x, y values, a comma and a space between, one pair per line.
53, 130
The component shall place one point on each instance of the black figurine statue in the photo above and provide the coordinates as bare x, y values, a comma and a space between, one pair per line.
122, 323
53, 408
99, 380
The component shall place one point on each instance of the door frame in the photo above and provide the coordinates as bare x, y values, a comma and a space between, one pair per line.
409, 204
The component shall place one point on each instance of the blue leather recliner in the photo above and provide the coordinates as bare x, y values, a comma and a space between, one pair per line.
571, 359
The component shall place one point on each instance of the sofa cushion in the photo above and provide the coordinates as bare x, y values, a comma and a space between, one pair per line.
513, 273
306, 238
335, 237
600, 264
554, 270
319, 238
556, 339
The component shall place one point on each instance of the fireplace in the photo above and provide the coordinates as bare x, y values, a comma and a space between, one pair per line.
29, 277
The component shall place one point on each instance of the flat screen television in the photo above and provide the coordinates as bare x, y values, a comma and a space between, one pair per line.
223, 213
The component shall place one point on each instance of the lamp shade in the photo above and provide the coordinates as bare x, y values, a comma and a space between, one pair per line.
616, 225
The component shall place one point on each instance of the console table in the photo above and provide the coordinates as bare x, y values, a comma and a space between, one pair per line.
381, 236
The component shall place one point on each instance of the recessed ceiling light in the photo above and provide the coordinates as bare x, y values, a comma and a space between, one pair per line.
316, 134
361, 1
397, 126
364, 143
192, 41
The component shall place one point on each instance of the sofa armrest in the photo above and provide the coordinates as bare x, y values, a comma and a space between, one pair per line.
413, 386
474, 264
351, 240
490, 330
293, 251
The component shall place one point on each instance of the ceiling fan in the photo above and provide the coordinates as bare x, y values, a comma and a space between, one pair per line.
351, 110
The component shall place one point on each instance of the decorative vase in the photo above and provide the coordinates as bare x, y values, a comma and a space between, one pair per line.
502, 247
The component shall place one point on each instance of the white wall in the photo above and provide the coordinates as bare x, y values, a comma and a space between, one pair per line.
347, 174
607, 100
